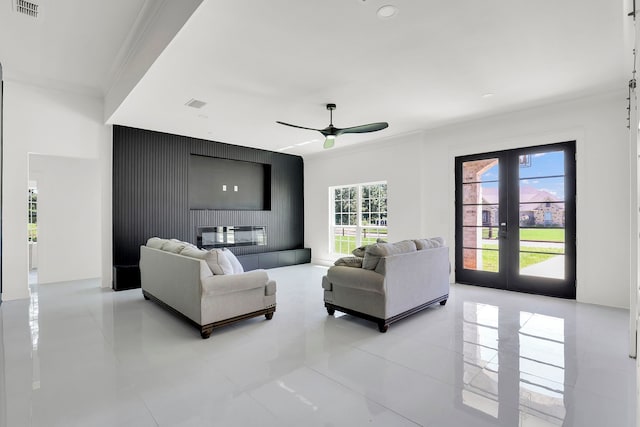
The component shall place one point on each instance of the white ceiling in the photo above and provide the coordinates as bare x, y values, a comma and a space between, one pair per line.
73, 45
255, 62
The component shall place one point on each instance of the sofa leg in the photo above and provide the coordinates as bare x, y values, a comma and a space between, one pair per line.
443, 302
383, 327
331, 311
206, 332
269, 316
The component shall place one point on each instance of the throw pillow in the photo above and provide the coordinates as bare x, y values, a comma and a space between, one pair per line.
156, 242
373, 253
359, 252
350, 261
215, 259
218, 262
235, 264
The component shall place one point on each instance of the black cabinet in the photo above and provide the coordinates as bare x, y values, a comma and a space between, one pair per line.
275, 259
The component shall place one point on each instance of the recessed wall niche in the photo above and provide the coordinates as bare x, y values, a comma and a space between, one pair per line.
216, 183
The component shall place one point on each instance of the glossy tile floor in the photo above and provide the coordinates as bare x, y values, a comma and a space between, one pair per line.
77, 355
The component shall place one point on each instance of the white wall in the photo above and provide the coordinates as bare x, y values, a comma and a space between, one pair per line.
48, 122
67, 222
420, 171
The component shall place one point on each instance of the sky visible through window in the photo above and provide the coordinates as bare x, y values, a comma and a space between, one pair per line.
540, 165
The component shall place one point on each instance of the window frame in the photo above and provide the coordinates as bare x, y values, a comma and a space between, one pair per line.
359, 229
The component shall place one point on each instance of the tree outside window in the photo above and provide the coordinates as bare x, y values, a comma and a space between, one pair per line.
359, 213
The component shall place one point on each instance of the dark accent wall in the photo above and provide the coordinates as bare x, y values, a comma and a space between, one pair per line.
151, 193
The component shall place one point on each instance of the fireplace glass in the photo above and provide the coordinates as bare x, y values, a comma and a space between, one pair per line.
234, 235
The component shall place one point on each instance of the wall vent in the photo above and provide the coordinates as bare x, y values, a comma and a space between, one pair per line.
194, 103
28, 8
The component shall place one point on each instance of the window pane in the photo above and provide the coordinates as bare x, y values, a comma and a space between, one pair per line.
480, 171
540, 190
480, 193
354, 208
486, 215
542, 265
481, 259
542, 164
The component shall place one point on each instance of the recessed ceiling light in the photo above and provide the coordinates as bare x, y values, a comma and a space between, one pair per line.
487, 95
387, 11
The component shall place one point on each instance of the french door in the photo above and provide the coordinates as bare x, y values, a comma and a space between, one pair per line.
515, 220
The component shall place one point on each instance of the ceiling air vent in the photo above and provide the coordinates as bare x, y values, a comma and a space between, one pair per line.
194, 103
28, 8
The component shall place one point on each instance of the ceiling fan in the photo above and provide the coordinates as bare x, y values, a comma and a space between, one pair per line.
331, 132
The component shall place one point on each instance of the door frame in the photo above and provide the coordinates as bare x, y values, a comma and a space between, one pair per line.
508, 276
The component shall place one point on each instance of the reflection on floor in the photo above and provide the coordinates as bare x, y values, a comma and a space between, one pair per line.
78, 355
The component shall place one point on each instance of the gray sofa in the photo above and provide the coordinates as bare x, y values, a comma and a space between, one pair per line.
181, 277
390, 281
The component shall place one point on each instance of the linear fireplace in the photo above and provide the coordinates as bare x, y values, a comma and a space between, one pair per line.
234, 235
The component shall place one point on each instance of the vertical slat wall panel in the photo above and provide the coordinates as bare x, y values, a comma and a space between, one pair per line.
151, 194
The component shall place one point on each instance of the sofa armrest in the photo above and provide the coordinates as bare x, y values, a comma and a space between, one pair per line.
270, 289
227, 283
417, 276
356, 278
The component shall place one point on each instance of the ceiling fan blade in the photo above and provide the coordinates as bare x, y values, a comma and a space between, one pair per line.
329, 142
299, 127
371, 127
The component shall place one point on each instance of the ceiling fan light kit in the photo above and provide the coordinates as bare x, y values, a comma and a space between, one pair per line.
331, 132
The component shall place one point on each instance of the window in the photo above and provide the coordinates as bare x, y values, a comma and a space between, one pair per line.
32, 210
359, 215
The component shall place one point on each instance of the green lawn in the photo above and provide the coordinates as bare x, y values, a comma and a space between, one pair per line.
531, 234
542, 234
32, 231
490, 258
346, 244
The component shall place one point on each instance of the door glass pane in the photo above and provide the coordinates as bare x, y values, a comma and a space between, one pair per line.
480, 171
480, 214
542, 215
481, 259
539, 190
549, 163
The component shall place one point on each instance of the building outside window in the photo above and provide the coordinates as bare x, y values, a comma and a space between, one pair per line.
359, 216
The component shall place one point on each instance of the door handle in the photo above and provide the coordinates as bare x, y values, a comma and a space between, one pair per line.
503, 230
